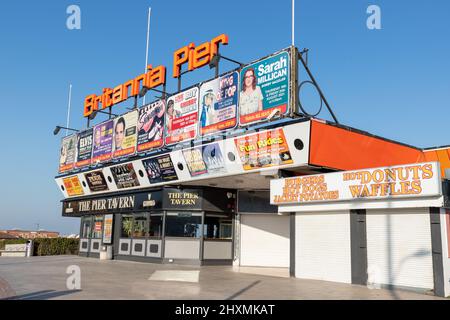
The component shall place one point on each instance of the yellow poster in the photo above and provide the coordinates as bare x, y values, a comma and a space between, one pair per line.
73, 186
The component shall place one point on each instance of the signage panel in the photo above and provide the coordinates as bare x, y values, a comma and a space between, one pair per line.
160, 169
151, 126
204, 159
125, 134
103, 142
73, 186
84, 147
125, 176
68, 153
96, 181
108, 228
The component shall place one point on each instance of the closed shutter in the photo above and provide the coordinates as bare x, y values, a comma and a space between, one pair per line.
322, 246
264, 240
399, 247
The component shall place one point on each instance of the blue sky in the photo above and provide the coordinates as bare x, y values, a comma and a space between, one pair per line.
392, 82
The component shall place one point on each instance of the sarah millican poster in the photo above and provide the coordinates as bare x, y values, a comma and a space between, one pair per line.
151, 126
84, 147
204, 159
96, 181
264, 149
67, 155
160, 169
125, 134
218, 104
103, 141
264, 88
125, 176
182, 116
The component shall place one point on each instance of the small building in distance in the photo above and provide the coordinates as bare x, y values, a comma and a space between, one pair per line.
6, 236
25, 234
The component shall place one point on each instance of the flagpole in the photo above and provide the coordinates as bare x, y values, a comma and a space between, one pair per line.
148, 37
68, 109
293, 23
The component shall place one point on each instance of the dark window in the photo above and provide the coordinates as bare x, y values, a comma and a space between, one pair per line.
127, 226
156, 223
140, 226
86, 228
183, 225
217, 228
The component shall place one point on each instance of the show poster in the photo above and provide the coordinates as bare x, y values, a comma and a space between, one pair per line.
160, 169
108, 228
263, 149
204, 159
151, 126
182, 116
96, 181
73, 186
264, 89
68, 152
84, 147
125, 176
103, 142
218, 104
125, 134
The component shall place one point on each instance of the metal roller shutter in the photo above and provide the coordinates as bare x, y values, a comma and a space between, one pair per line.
264, 241
399, 247
322, 246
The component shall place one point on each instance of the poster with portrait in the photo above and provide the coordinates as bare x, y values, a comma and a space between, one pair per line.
263, 149
182, 116
204, 159
218, 104
264, 89
84, 147
125, 176
103, 142
160, 169
68, 153
125, 134
96, 181
73, 186
150, 126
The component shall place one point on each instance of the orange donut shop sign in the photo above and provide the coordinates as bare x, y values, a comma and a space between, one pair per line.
413, 180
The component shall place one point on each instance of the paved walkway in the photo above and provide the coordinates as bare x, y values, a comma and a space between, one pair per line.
45, 278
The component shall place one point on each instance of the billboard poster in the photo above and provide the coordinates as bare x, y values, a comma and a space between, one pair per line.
68, 152
125, 134
96, 181
84, 147
108, 228
125, 176
73, 186
264, 89
160, 169
182, 116
151, 126
218, 104
103, 141
204, 159
263, 149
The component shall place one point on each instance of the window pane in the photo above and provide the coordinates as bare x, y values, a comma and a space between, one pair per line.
156, 226
217, 228
140, 226
182, 226
86, 227
98, 227
127, 224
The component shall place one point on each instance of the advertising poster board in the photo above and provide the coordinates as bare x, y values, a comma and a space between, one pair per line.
125, 134
182, 116
263, 149
84, 147
264, 88
160, 169
151, 126
96, 181
218, 104
68, 153
204, 159
125, 176
73, 186
108, 228
103, 142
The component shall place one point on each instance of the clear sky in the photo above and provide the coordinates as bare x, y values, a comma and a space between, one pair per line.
393, 82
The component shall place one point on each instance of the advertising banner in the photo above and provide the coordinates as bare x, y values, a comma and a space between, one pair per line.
264, 89
125, 176
218, 104
263, 149
68, 153
204, 159
73, 186
160, 169
413, 180
182, 116
96, 181
103, 142
84, 147
125, 134
151, 126
108, 228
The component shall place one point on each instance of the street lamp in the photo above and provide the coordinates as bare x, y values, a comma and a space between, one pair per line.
58, 128
214, 62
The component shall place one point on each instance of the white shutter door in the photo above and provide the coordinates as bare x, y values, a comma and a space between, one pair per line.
399, 247
322, 246
264, 241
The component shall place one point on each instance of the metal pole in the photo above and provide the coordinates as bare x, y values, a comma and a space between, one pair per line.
68, 109
293, 23
148, 38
